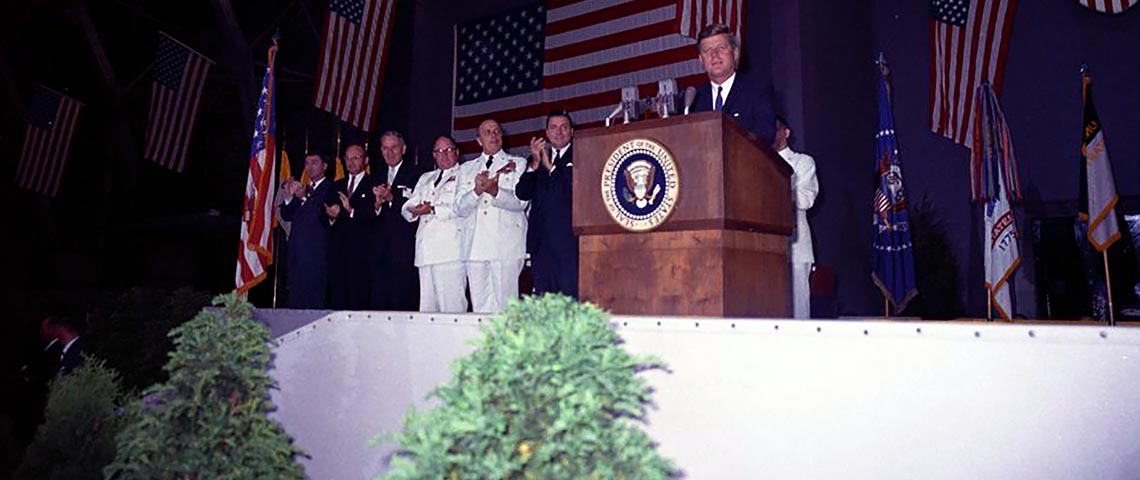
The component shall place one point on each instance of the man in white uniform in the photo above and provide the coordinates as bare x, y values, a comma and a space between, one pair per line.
494, 221
438, 247
805, 187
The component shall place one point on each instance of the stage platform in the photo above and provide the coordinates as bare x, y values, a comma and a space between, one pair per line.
764, 398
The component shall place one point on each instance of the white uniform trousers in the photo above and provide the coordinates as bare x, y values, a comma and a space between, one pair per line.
801, 290
442, 288
493, 283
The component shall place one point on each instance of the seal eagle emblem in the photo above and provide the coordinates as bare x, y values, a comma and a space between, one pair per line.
640, 184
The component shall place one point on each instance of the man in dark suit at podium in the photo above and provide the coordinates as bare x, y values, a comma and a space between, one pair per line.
351, 215
395, 279
744, 98
307, 259
549, 183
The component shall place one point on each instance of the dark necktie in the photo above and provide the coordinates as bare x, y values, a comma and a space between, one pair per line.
719, 99
490, 160
438, 178
351, 185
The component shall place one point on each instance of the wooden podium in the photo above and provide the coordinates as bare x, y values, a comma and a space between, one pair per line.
722, 252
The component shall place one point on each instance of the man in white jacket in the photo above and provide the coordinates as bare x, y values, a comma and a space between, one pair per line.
805, 187
439, 254
494, 221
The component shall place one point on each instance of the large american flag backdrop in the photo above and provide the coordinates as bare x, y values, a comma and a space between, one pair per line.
51, 125
179, 75
969, 40
572, 55
353, 55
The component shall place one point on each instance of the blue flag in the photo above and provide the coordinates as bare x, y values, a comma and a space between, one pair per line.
892, 253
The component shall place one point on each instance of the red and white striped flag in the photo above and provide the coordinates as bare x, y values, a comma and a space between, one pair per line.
255, 253
695, 14
179, 76
968, 43
565, 54
47, 141
355, 50
1110, 7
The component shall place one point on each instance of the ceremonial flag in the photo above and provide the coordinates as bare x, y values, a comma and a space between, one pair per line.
892, 253
47, 141
992, 151
1110, 7
1002, 252
353, 56
179, 76
255, 253
696, 14
1097, 188
576, 56
969, 40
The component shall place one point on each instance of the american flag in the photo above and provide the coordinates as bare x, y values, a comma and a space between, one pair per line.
695, 14
255, 253
179, 75
968, 44
51, 124
573, 55
1111, 7
357, 33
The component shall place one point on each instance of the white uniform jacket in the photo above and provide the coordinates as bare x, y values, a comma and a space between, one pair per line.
805, 187
437, 237
494, 228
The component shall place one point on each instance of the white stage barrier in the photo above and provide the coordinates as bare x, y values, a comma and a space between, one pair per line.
783, 399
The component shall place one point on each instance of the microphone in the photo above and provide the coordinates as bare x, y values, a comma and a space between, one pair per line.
613, 114
690, 96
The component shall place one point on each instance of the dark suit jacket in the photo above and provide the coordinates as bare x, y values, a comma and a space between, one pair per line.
73, 356
552, 199
349, 247
396, 237
307, 259
749, 104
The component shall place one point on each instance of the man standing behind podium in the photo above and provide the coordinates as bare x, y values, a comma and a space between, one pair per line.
548, 184
742, 97
494, 221
805, 187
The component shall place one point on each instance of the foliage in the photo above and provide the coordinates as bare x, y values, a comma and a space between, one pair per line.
210, 419
548, 393
131, 331
935, 267
82, 417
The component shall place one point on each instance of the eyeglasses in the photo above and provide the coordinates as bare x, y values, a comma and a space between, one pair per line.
445, 150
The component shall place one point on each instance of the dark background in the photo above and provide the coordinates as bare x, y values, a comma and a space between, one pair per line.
122, 221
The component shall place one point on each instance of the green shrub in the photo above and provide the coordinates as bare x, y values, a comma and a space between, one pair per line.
548, 393
77, 438
210, 419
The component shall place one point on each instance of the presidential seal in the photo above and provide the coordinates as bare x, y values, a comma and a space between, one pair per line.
640, 184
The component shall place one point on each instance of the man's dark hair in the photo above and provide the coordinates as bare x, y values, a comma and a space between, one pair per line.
559, 113
717, 29
780, 122
323, 156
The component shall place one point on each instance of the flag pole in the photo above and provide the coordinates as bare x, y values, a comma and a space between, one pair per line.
886, 308
989, 304
1108, 287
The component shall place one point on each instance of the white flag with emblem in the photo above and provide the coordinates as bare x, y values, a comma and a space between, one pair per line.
1002, 253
